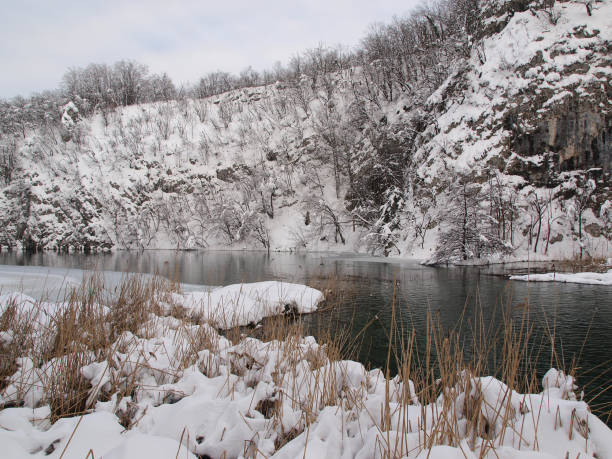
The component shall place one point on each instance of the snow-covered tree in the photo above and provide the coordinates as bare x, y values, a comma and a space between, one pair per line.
468, 231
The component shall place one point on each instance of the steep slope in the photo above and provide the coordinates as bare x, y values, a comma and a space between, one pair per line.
538, 87
179, 174
509, 157
526, 122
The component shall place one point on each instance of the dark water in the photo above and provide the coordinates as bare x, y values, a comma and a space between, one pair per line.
580, 316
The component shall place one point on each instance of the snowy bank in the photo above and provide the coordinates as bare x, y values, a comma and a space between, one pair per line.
228, 306
243, 304
576, 278
254, 399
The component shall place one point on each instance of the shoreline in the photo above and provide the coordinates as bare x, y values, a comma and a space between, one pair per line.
338, 253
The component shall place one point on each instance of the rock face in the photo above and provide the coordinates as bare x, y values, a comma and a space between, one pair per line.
537, 90
528, 121
578, 140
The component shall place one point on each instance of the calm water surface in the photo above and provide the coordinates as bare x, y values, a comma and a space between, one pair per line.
580, 315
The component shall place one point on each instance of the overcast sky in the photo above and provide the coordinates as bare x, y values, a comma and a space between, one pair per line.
39, 40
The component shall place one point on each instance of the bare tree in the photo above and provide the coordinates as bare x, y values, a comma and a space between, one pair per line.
159, 88
163, 119
128, 82
580, 203
260, 232
8, 159
538, 206
328, 216
469, 232
225, 113
550, 219
201, 108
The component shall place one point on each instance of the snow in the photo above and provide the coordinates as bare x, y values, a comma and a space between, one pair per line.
529, 59
150, 447
575, 278
242, 304
53, 283
227, 306
35, 282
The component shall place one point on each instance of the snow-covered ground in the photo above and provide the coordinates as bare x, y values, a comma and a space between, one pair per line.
223, 406
226, 306
53, 283
242, 304
576, 278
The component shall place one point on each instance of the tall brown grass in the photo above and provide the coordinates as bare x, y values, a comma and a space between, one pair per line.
584, 264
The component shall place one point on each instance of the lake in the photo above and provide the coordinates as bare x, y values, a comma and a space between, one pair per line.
571, 311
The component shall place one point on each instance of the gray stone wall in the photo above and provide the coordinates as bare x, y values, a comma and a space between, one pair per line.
579, 140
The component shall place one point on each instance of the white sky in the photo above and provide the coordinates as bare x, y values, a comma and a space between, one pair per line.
40, 40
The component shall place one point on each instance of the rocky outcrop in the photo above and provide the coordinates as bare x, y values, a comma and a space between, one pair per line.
577, 139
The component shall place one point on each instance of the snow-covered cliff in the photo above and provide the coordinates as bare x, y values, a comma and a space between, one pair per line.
510, 156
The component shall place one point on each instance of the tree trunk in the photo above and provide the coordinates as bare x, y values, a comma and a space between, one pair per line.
464, 235
580, 231
535, 247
